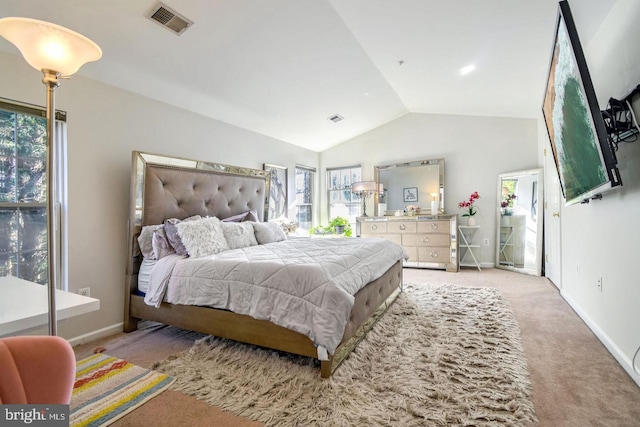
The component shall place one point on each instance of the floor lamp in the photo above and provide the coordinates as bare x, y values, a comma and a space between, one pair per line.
58, 52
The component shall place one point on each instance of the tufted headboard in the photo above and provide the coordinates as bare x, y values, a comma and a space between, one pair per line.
165, 187
172, 192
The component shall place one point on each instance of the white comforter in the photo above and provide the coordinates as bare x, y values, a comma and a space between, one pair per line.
302, 284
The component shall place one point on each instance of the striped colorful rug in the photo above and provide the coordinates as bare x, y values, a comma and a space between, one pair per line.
107, 388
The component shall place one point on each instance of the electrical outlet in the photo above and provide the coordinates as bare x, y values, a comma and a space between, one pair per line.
599, 284
86, 292
486, 241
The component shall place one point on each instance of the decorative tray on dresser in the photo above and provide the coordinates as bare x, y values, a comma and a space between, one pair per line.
431, 241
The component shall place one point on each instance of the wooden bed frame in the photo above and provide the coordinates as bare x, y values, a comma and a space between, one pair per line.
167, 187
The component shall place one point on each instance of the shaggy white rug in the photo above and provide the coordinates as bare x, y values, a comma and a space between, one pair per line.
442, 355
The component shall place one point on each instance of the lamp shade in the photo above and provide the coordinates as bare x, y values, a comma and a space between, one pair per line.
47, 46
364, 186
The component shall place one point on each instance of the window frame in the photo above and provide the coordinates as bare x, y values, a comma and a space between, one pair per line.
308, 188
354, 204
58, 153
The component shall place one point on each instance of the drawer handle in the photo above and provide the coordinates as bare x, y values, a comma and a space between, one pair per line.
434, 226
402, 226
434, 254
425, 239
374, 227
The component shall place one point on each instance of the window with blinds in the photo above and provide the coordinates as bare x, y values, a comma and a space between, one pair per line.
23, 190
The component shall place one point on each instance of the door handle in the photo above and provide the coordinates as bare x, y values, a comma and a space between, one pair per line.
556, 214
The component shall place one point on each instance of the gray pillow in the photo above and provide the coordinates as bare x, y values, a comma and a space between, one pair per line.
268, 232
172, 233
245, 216
251, 216
161, 245
239, 234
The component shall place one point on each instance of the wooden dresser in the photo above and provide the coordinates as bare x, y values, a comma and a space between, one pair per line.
430, 241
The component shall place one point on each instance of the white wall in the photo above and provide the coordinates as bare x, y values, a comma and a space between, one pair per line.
104, 125
601, 239
475, 149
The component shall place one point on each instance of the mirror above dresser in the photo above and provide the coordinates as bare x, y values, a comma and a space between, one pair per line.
417, 184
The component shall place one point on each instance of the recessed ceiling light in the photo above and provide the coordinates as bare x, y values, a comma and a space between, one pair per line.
466, 70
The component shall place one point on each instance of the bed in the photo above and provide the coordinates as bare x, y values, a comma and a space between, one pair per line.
164, 188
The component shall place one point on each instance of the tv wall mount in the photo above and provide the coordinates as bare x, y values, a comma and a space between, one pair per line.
620, 119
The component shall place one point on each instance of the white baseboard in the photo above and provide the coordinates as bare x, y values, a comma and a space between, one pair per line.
623, 360
94, 335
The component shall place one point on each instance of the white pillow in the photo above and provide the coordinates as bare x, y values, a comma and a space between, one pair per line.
202, 237
268, 232
238, 234
171, 232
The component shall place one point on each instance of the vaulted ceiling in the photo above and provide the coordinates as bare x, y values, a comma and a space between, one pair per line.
283, 67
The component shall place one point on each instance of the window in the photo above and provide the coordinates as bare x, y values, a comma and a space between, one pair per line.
23, 191
342, 202
304, 196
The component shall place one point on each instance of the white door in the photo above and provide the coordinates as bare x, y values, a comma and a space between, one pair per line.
552, 235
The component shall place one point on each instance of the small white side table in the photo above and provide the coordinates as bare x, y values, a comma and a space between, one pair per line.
506, 245
468, 246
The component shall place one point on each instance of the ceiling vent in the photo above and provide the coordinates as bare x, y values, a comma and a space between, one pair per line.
169, 18
336, 118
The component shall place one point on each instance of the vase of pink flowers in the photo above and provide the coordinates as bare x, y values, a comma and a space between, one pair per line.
507, 204
470, 209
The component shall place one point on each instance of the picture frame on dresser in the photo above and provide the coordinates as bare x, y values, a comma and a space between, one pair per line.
410, 194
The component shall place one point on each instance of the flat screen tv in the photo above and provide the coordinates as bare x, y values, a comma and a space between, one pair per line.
584, 158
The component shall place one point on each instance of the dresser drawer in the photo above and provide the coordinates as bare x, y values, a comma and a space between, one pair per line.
395, 238
433, 227
412, 252
434, 254
425, 240
373, 227
402, 226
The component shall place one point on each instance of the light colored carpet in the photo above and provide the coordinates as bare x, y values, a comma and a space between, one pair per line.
441, 355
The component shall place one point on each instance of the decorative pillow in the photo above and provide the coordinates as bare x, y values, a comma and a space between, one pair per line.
252, 216
161, 245
202, 237
245, 216
239, 234
268, 232
145, 241
172, 233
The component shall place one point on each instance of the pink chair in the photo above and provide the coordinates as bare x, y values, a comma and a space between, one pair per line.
36, 369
